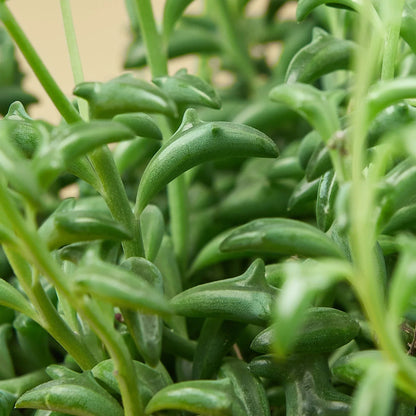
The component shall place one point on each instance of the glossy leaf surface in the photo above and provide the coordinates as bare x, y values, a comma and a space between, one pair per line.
189, 90
323, 55
280, 236
124, 94
246, 298
120, 287
197, 142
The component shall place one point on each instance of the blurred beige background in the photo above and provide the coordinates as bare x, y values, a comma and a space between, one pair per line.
102, 29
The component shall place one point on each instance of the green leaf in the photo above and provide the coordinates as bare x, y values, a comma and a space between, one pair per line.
141, 124
146, 329
124, 94
308, 147
6, 362
247, 298
172, 12
306, 6
74, 141
7, 401
314, 105
189, 90
197, 142
247, 388
386, 93
304, 281
151, 380
303, 194
375, 393
323, 330
211, 253
325, 201
25, 133
67, 227
205, 397
322, 56
119, 287
408, 25
403, 282
403, 219
352, 368
152, 224
281, 236
78, 395
215, 340
12, 298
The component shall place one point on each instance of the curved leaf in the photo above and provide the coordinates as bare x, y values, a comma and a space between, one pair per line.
69, 227
72, 396
171, 13
303, 282
189, 90
153, 227
375, 393
120, 287
312, 104
306, 6
386, 93
322, 56
141, 124
213, 397
281, 236
248, 389
247, 298
197, 142
12, 298
124, 94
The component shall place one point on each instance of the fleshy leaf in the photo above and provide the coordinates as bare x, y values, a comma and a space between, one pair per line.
74, 396
199, 142
246, 298
281, 236
312, 104
120, 287
323, 55
124, 94
189, 90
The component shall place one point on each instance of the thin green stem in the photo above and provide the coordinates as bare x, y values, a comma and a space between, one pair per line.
59, 99
116, 347
393, 17
235, 44
155, 48
34, 248
179, 219
133, 15
177, 189
116, 198
75, 58
102, 160
362, 235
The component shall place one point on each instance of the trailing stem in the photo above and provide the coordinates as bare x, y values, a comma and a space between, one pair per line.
366, 280
177, 190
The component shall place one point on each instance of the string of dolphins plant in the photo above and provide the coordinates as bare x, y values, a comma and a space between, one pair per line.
200, 271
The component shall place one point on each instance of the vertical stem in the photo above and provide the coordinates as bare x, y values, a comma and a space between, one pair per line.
362, 204
116, 198
40, 256
392, 17
51, 87
123, 365
75, 58
155, 48
236, 46
177, 189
